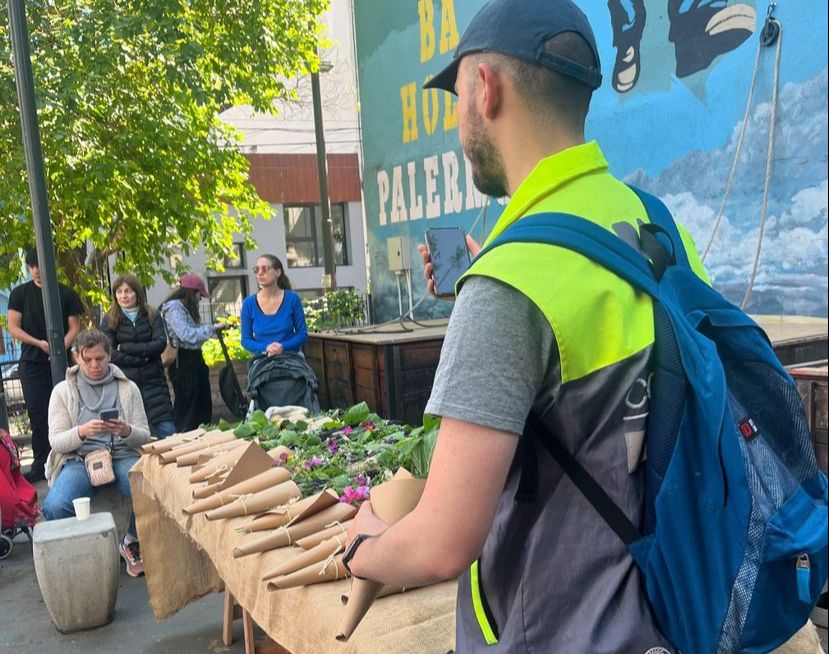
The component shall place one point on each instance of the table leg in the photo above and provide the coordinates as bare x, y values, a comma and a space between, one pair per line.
247, 628
227, 621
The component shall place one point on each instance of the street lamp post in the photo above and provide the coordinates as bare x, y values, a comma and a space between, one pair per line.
329, 277
19, 32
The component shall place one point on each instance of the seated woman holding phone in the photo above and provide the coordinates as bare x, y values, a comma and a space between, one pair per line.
96, 425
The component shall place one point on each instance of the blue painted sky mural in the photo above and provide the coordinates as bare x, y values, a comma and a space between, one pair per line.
668, 116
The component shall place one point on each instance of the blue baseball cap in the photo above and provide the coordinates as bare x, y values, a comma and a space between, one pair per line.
519, 29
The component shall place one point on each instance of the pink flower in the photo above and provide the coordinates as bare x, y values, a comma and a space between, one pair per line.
351, 495
313, 462
347, 430
281, 460
368, 425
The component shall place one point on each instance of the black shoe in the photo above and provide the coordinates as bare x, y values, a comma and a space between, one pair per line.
627, 38
34, 475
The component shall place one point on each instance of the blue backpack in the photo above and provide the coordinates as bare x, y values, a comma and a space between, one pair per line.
733, 545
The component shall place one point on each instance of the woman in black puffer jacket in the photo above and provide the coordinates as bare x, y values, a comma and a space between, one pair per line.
136, 333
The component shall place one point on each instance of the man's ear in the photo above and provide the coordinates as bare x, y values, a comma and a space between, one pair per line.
493, 90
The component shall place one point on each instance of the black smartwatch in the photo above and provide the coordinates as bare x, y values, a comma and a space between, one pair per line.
351, 550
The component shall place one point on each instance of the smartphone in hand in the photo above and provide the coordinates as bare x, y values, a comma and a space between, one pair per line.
449, 256
109, 414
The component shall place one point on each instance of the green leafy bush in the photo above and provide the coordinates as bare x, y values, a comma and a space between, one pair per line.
335, 309
212, 350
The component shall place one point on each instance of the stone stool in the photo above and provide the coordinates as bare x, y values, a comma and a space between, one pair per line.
77, 567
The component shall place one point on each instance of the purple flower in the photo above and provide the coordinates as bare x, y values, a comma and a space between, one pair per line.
361, 480
347, 431
313, 462
333, 446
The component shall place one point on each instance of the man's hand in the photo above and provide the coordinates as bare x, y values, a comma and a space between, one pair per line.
365, 522
43, 345
275, 349
471, 245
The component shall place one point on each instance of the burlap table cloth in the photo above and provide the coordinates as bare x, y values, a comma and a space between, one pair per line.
187, 557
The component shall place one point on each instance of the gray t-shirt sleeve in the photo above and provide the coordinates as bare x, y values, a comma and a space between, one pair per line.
496, 357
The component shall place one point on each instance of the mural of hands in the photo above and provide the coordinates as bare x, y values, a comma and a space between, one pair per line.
701, 31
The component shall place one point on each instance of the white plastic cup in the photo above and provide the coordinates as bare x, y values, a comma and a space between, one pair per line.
81, 505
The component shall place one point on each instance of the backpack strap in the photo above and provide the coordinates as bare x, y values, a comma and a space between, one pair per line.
586, 238
583, 480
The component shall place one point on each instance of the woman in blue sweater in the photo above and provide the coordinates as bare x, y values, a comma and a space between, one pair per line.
273, 320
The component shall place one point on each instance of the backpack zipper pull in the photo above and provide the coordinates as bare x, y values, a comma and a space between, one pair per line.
804, 573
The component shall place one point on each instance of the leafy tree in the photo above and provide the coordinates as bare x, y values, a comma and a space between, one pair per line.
129, 94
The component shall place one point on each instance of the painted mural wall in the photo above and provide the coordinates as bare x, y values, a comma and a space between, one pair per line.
670, 117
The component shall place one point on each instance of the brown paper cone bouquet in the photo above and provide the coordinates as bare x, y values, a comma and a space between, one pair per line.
390, 502
239, 494
290, 533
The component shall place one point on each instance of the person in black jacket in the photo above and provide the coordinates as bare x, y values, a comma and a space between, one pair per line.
136, 334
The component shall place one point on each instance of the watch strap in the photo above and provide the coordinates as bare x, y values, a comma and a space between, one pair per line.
351, 550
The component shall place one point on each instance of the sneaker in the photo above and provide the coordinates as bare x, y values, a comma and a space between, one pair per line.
131, 553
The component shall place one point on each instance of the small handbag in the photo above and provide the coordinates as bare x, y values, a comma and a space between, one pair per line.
170, 353
99, 467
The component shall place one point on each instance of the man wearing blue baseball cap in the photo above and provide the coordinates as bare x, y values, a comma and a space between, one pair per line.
535, 328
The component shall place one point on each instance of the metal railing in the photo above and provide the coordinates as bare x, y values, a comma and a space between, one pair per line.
13, 415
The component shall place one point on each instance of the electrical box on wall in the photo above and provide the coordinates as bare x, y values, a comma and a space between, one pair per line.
399, 256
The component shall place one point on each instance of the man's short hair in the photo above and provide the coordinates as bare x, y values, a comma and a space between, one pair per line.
552, 94
31, 258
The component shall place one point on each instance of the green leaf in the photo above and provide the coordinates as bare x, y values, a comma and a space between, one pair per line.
333, 424
430, 422
289, 439
311, 440
356, 414
258, 420
269, 432
245, 431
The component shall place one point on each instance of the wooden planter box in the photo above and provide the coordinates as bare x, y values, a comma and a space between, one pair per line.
390, 370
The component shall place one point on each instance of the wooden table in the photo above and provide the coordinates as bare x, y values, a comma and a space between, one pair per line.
187, 557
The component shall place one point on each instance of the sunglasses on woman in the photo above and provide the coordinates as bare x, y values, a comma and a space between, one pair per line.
264, 269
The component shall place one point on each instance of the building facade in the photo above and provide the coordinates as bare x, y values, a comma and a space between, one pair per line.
281, 150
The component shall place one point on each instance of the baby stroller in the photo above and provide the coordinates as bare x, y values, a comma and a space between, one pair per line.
18, 498
282, 380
